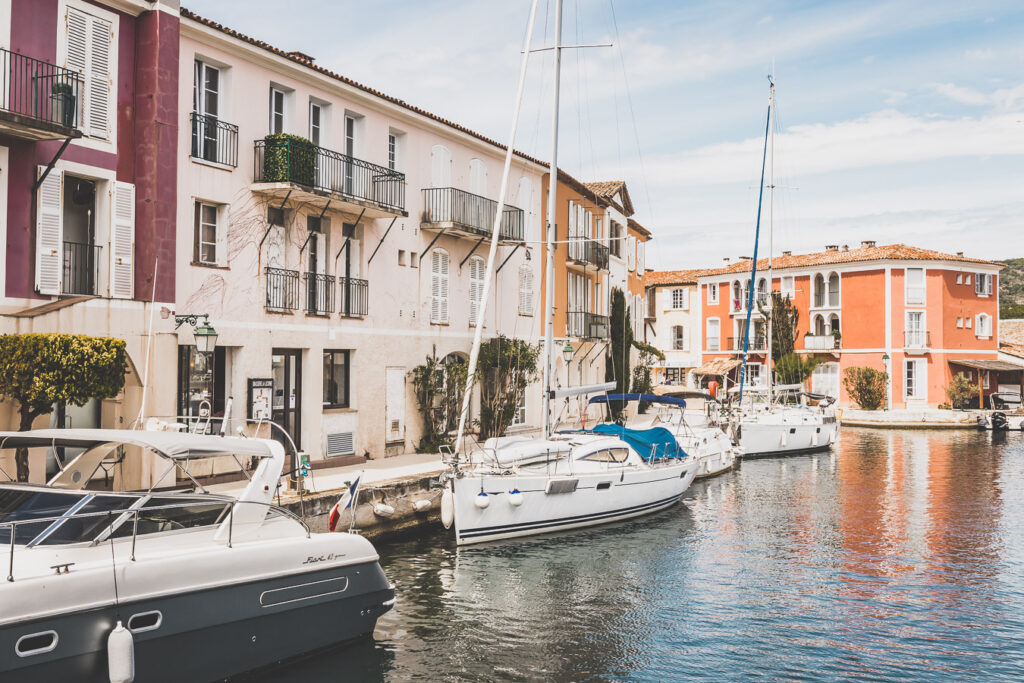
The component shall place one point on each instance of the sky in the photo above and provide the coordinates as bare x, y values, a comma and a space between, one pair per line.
896, 121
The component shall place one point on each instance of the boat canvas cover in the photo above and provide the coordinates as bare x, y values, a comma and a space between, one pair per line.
645, 398
173, 445
655, 443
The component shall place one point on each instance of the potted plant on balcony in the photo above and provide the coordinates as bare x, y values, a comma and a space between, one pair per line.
836, 335
62, 98
289, 159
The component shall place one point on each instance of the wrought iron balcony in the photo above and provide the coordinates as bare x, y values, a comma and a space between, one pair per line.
38, 100
79, 268
288, 163
355, 297
585, 325
319, 294
282, 289
917, 339
820, 342
587, 252
758, 343
214, 140
463, 213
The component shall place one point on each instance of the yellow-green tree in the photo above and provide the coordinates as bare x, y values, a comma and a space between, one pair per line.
41, 370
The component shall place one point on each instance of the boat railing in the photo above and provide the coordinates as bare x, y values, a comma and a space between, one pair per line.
119, 517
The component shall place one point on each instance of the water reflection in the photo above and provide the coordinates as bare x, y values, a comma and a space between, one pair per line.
897, 555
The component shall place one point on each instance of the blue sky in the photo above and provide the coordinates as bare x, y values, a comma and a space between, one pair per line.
897, 121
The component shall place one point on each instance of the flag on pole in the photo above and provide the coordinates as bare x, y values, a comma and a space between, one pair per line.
344, 503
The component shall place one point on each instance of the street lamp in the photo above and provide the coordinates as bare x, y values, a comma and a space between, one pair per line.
568, 353
204, 334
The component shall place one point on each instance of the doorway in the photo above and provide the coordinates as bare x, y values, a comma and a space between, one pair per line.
287, 404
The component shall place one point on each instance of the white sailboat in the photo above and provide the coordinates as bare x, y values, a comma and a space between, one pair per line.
518, 486
764, 425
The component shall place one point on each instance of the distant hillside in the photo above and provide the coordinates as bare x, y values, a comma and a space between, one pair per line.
1011, 289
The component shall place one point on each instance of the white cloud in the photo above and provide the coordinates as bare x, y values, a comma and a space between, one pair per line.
983, 54
961, 94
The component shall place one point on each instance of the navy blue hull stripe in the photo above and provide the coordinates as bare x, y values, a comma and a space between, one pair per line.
507, 528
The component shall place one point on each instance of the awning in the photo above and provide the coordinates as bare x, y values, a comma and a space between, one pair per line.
717, 367
993, 365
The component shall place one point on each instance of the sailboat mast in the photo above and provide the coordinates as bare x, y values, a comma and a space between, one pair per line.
771, 229
549, 275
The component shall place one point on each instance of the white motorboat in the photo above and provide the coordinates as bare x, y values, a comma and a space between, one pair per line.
181, 585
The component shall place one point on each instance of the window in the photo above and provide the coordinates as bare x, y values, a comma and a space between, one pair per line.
276, 111
315, 122
350, 136
519, 417
392, 151
681, 298
439, 287
641, 256
968, 321
414, 259
713, 334
967, 278
960, 322
915, 286
915, 378
90, 42
631, 252
336, 378
825, 379
788, 286
678, 337
615, 239
916, 335
675, 375
525, 290
202, 378
983, 284
440, 166
205, 104
985, 379
819, 290
477, 272
205, 246
959, 278
401, 257
753, 374
983, 327
712, 294
833, 290
611, 455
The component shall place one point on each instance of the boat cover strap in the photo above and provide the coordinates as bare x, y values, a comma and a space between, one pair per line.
646, 398
656, 443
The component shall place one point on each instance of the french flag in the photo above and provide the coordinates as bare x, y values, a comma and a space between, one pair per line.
344, 503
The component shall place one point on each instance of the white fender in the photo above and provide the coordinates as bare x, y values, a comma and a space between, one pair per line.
383, 510
121, 655
482, 500
447, 507
421, 505
515, 498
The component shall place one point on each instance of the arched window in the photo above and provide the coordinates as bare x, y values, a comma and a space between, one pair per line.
833, 290
819, 290
819, 325
477, 270
737, 297
833, 324
983, 326
439, 286
762, 291
440, 166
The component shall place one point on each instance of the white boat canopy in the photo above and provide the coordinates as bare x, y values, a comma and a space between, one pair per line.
171, 445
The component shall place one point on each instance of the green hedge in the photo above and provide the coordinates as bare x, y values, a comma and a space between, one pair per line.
289, 158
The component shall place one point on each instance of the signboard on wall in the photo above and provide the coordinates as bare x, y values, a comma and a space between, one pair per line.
260, 393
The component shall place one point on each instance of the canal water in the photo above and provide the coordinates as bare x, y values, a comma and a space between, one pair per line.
898, 555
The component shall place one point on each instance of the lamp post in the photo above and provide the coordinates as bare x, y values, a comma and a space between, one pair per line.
888, 379
205, 336
567, 356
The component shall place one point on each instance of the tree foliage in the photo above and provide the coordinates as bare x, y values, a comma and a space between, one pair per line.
506, 368
960, 391
616, 367
785, 317
795, 368
642, 383
428, 383
866, 386
41, 370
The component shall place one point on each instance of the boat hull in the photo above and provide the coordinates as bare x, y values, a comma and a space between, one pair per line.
713, 464
597, 498
213, 633
762, 440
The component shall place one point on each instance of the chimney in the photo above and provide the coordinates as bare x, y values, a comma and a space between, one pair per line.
831, 247
960, 254
300, 57
726, 259
867, 243
846, 247
787, 253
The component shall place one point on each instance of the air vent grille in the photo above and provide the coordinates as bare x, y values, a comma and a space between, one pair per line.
340, 443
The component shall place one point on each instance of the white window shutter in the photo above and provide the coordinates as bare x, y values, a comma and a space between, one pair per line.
525, 290
99, 79
988, 284
435, 287
686, 299
122, 241
631, 253
476, 288
223, 221
444, 286
49, 232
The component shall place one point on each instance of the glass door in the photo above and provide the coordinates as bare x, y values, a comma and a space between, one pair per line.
287, 402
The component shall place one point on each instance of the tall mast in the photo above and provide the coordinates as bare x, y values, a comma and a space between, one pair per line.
549, 276
771, 228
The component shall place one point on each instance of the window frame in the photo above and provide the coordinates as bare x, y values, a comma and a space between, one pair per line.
909, 290
707, 335
347, 402
678, 338
713, 287
392, 151
983, 326
197, 241
917, 382
789, 291
283, 113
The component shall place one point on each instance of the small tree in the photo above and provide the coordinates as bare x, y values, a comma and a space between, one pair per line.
506, 368
794, 368
866, 386
960, 391
616, 367
427, 383
40, 371
784, 316
642, 383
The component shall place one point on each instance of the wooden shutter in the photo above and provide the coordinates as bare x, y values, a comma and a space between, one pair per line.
89, 47
122, 241
223, 221
476, 288
440, 166
525, 290
438, 286
631, 252
477, 177
49, 232
988, 284
686, 339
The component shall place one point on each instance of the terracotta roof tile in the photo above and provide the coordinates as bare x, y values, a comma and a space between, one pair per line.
885, 252
658, 278
1012, 332
639, 228
609, 188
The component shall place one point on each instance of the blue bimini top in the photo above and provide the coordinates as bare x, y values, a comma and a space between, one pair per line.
655, 443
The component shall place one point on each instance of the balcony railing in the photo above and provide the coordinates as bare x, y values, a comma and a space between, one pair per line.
355, 297
282, 289
289, 159
214, 140
319, 294
588, 251
39, 91
470, 213
79, 276
758, 342
820, 342
917, 339
584, 325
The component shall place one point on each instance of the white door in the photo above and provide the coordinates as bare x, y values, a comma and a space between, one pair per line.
394, 404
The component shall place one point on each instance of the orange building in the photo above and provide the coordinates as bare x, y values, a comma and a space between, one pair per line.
917, 313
